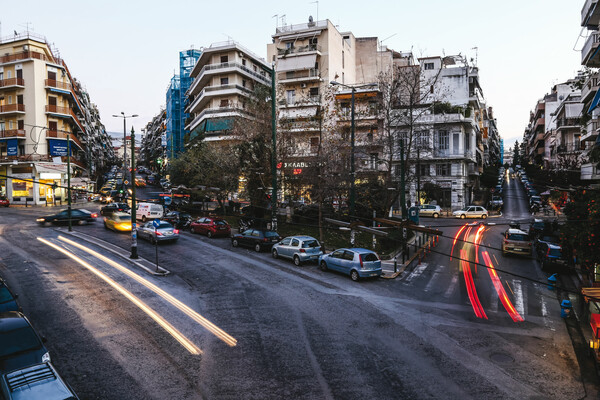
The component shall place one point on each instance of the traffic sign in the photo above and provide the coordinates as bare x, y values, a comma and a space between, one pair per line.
156, 223
167, 200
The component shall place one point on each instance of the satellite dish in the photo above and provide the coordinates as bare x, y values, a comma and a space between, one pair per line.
561, 97
310, 18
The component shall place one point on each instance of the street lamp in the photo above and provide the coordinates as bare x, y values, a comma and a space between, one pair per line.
352, 134
125, 138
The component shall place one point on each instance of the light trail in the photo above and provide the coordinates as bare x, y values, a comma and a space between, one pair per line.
218, 332
471, 291
185, 342
455, 239
478, 237
510, 309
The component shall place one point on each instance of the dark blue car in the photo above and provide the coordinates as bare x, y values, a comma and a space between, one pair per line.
8, 301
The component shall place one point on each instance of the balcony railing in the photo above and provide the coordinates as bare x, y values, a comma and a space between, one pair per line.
63, 135
298, 49
66, 111
304, 74
57, 84
590, 46
568, 148
12, 133
212, 67
23, 55
11, 82
452, 153
590, 14
590, 87
11, 108
567, 122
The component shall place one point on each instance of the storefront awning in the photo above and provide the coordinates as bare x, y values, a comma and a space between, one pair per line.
595, 102
592, 292
296, 63
595, 323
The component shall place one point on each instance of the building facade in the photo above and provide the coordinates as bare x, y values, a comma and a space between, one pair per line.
44, 112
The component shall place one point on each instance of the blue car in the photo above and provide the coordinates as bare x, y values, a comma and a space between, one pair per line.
356, 262
8, 301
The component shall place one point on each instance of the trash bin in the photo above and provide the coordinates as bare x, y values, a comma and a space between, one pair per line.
552, 282
565, 308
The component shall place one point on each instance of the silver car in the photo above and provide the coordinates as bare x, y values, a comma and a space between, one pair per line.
163, 232
428, 210
471, 212
300, 249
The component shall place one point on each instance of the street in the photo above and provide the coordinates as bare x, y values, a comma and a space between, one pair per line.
256, 327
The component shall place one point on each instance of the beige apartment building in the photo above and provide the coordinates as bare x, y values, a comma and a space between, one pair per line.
41, 108
223, 79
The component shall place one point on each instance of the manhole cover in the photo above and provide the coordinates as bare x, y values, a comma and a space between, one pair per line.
501, 358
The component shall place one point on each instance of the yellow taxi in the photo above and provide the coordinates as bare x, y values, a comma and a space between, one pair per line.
118, 222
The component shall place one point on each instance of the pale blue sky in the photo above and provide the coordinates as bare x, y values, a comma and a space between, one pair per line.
125, 52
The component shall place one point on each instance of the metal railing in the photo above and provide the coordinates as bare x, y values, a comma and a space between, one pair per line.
12, 133
591, 41
9, 108
299, 49
211, 67
57, 84
12, 82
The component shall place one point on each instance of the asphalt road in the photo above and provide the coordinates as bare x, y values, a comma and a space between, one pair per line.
286, 332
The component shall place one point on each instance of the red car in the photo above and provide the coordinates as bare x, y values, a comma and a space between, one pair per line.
4, 201
211, 227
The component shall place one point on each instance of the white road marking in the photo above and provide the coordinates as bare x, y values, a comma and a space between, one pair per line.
519, 305
434, 279
494, 302
416, 272
452, 286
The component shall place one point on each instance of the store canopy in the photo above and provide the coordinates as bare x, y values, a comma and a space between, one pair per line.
595, 102
296, 63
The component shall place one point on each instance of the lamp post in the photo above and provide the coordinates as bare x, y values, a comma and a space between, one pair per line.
69, 181
352, 139
125, 139
273, 154
134, 253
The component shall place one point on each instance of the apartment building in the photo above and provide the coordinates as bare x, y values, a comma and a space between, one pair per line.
42, 108
224, 78
154, 142
590, 96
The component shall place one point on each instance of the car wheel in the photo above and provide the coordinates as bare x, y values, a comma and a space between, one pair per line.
234, 243
209, 234
274, 253
297, 261
435, 215
81, 222
257, 248
463, 216
484, 216
323, 266
143, 218
354, 275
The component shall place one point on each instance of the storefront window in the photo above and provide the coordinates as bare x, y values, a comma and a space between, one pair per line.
22, 188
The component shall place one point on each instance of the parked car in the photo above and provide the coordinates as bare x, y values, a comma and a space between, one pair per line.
20, 345
179, 220
114, 207
163, 233
4, 201
535, 200
543, 240
496, 203
258, 239
300, 249
356, 262
36, 382
79, 216
551, 257
428, 210
516, 242
211, 226
118, 222
471, 212
537, 227
498, 189
8, 300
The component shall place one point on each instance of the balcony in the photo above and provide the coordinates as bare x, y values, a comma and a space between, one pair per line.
12, 109
64, 112
591, 131
447, 153
230, 111
307, 75
213, 91
309, 48
589, 56
590, 14
24, 55
568, 148
12, 83
567, 123
64, 135
222, 68
63, 86
13, 133
590, 87
295, 125
590, 171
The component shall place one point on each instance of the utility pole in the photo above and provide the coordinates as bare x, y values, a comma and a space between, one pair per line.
134, 253
418, 176
273, 153
402, 181
69, 181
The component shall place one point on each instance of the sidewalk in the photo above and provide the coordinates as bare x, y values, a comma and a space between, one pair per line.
395, 266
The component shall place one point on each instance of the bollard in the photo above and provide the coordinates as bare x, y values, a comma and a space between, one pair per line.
565, 308
552, 282
395, 263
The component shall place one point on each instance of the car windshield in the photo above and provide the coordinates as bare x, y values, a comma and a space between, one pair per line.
18, 341
123, 218
518, 236
220, 222
5, 295
164, 225
310, 243
271, 234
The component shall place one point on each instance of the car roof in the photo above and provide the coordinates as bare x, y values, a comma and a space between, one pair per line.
302, 237
359, 250
120, 214
554, 246
517, 231
11, 320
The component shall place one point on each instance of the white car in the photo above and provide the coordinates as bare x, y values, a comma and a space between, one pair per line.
428, 210
471, 212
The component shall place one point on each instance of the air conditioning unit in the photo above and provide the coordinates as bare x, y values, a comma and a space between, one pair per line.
25, 47
303, 85
240, 54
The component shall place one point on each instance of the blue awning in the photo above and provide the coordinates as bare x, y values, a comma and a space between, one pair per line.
595, 101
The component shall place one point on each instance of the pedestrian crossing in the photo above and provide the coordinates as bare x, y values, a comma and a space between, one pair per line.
445, 283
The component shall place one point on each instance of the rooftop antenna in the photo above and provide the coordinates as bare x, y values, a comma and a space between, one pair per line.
26, 26
283, 20
276, 16
229, 38
313, 2
476, 53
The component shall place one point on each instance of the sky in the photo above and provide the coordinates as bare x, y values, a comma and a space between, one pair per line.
125, 52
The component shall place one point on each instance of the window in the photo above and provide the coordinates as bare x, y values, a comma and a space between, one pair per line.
224, 103
373, 157
20, 124
254, 68
442, 169
289, 45
52, 75
224, 59
314, 91
442, 140
289, 75
286, 241
225, 81
295, 242
429, 66
424, 169
290, 96
455, 142
342, 58
244, 62
345, 109
421, 139
243, 82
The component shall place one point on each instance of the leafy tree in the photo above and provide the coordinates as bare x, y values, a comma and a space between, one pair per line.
516, 154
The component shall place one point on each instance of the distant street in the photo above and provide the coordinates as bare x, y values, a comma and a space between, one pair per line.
298, 332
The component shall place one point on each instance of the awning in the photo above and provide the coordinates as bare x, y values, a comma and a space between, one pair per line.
297, 36
296, 63
595, 323
595, 101
591, 293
